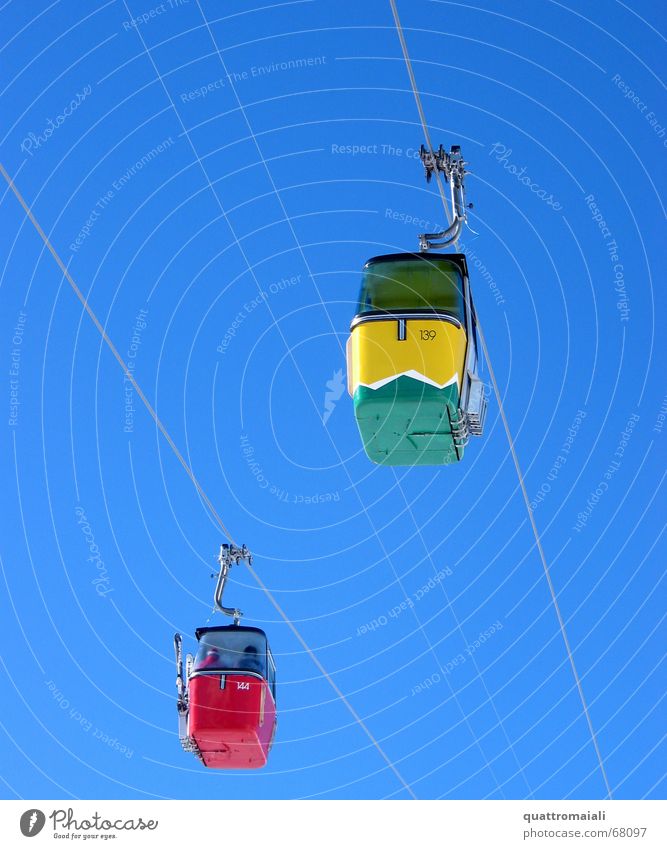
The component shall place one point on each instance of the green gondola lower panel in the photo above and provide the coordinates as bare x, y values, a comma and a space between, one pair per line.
408, 423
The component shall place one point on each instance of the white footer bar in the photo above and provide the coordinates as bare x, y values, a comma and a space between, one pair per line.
336, 824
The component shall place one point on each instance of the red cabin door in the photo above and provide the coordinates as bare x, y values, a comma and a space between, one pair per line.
232, 719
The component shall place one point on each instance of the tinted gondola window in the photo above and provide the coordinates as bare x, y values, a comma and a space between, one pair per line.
232, 650
413, 284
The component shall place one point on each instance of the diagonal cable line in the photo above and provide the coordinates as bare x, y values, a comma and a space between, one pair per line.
113, 348
420, 109
508, 433
547, 573
354, 488
193, 478
187, 136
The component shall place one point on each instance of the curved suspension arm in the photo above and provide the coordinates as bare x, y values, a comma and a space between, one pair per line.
229, 554
452, 166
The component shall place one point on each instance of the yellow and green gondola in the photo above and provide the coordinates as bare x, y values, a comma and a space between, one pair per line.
412, 360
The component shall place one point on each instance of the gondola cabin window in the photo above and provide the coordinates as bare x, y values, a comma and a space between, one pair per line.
230, 651
412, 284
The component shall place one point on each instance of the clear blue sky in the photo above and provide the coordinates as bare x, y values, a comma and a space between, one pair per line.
215, 176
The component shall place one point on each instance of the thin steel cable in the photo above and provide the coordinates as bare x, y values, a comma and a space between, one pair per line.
191, 475
508, 433
420, 108
113, 349
547, 573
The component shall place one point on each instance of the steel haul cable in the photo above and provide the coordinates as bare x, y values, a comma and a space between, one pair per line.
194, 480
508, 433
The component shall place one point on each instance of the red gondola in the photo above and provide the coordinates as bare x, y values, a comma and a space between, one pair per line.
227, 700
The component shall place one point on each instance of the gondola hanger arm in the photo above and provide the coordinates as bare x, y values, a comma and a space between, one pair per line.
453, 168
229, 555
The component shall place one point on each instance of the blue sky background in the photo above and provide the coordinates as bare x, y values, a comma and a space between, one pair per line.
420, 590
